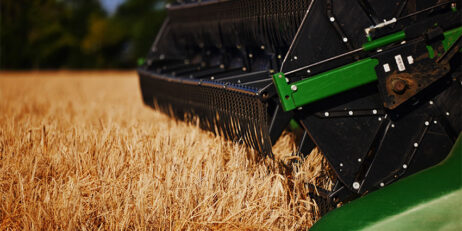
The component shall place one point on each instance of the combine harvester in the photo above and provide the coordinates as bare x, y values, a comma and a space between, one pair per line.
374, 84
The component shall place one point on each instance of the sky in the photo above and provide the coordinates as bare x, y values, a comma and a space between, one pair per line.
111, 5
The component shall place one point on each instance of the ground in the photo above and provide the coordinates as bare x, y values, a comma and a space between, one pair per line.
79, 150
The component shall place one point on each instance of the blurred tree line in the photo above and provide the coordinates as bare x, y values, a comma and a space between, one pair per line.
76, 34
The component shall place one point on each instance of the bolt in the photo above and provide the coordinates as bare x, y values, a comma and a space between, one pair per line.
262, 47
416, 145
332, 19
341, 164
326, 114
293, 87
380, 118
427, 123
374, 111
382, 184
447, 113
399, 86
350, 113
359, 160
345, 39
404, 166
356, 185
212, 78
392, 125
308, 71
435, 122
295, 57
430, 102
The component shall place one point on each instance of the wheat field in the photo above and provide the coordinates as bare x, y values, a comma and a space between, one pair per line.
80, 151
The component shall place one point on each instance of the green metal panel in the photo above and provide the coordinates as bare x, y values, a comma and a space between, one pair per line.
374, 44
428, 200
451, 36
325, 84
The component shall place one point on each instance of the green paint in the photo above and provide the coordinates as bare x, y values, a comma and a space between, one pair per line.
380, 42
294, 125
451, 36
431, 52
428, 200
140, 61
325, 84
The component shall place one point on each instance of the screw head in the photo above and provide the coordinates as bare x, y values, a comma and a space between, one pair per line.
293, 88
382, 184
332, 19
392, 125
359, 160
447, 113
430, 102
404, 166
416, 145
341, 164
427, 123
399, 86
356, 185
326, 114
295, 57
350, 113
374, 111
345, 39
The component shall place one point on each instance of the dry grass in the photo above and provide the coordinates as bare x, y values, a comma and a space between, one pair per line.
85, 153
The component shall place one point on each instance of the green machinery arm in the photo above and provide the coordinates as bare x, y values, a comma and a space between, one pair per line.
343, 78
428, 200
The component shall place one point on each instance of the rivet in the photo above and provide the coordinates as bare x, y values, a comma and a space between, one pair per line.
326, 114
299, 108
374, 111
293, 87
222, 66
380, 118
295, 57
238, 81
427, 123
404, 166
382, 184
430, 102
341, 164
250, 55
416, 145
244, 69
392, 125
403, 42
332, 19
447, 113
279, 57
280, 76
435, 122
212, 78
262, 47
356, 185
308, 71
359, 160
345, 39
350, 113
